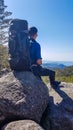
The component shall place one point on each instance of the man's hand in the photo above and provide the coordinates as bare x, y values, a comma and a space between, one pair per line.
39, 61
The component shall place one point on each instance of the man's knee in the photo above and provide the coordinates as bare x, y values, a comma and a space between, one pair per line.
53, 72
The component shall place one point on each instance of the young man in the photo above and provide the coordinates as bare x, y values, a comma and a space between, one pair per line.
36, 59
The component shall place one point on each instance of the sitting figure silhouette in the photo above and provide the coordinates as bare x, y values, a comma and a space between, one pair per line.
36, 59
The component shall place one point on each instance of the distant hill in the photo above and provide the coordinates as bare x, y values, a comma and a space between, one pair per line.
62, 74
54, 65
65, 75
67, 71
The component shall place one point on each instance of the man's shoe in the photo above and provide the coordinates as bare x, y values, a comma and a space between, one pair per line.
55, 84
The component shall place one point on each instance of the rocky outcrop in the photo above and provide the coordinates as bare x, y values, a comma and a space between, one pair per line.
22, 125
59, 113
22, 96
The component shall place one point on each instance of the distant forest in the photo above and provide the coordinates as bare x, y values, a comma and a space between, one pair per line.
3, 57
64, 75
4, 27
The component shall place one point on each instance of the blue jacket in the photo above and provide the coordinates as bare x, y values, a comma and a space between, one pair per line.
35, 51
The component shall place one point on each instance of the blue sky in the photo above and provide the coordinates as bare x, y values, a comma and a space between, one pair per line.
54, 20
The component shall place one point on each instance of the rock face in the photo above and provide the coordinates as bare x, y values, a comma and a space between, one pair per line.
22, 125
59, 113
22, 96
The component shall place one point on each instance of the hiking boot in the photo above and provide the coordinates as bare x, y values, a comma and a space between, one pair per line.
55, 84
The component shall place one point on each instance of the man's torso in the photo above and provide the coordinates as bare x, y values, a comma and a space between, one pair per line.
34, 51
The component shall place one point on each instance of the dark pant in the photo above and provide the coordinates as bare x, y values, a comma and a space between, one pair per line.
41, 71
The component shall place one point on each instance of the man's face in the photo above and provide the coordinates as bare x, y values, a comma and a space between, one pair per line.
35, 36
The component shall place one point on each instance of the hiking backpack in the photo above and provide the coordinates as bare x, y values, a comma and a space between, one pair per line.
19, 58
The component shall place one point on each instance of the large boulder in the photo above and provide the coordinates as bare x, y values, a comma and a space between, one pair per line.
59, 113
22, 125
22, 96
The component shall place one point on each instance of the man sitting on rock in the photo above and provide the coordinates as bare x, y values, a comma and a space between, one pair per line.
36, 60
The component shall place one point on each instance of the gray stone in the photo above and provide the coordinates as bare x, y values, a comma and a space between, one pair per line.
22, 125
4, 71
59, 113
22, 96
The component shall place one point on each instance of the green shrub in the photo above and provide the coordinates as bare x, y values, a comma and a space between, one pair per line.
3, 57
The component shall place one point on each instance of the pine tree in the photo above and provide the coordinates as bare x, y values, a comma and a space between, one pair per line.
4, 22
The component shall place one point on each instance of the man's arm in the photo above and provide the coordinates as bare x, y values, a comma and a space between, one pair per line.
38, 55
